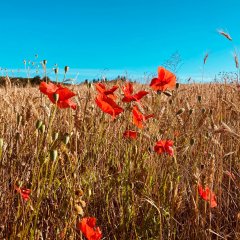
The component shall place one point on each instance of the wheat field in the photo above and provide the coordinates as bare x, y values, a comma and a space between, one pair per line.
78, 164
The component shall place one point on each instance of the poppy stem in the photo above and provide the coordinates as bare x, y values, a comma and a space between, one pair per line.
48, 133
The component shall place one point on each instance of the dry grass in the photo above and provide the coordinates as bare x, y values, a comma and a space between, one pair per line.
133, 192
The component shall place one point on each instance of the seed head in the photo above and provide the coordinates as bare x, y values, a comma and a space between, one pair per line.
66, 68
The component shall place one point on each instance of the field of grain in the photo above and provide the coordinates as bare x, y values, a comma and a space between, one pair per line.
77, 163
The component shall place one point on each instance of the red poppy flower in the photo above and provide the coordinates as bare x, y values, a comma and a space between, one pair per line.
101, 88
139, 118
130, 134
88, 227
165, 80
24, 192
164, 146
107, 105
63, 93
128, 90
207, 195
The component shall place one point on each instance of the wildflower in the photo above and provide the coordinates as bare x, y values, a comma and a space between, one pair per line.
165, 80
107, 105
164, 146
207, 195
88, 227
58, 94
128, 90
101, 88
130, 134
139, 118
24, 192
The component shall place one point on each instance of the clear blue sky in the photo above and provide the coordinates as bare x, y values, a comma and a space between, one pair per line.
119, 35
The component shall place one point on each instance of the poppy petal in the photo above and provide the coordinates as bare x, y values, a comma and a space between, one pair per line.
47, 88
164, 146
87, 227
140, 95
100, 87
137, 117
24, 192
127, 89
64, 94
130, 134
66, 104
104, 106
161, 72
107, 105
111, 90
166, 80
153, 84
207, 195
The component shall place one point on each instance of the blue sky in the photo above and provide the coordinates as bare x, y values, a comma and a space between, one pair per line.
120, 36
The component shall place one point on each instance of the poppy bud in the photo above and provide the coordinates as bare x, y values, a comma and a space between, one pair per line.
66, 68
177, 85
53, 155
66, 139
74, 175
25, 62
191, 111
79, 192
180, 111
89, 192
44, 62
159, 92
192, 141
150, 150
167, 93
42, 128
56, 97
19, 119
38, 124
199, 98
78, 209
55, 136
1, 143
56, 70
17, 136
